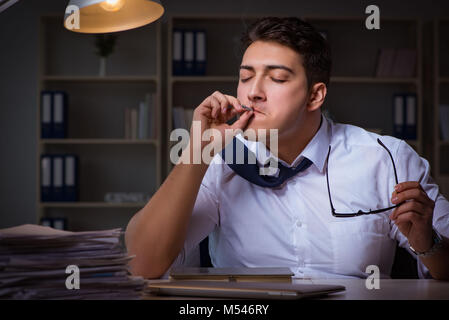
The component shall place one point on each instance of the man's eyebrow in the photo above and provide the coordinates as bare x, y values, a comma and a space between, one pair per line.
268, 67
271, 67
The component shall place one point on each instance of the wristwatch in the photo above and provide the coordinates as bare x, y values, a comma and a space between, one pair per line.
437, 244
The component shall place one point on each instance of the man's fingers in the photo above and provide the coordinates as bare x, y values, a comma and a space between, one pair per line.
410, 216
242, 122
216, 106
235, 103
411, 194
408, 206
407, 185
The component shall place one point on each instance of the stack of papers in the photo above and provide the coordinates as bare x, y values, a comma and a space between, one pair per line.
39, 262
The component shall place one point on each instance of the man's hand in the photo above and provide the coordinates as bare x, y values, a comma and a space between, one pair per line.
414, 216
215, 111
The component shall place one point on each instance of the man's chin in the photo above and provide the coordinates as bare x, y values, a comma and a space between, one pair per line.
256, 132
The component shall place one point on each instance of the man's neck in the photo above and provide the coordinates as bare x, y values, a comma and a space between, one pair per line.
290, 147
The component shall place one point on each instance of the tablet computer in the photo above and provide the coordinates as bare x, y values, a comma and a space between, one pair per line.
272, 274
242, 290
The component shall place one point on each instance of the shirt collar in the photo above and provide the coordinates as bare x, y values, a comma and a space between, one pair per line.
316, 150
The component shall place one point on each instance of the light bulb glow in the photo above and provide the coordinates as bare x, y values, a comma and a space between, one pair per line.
112, 5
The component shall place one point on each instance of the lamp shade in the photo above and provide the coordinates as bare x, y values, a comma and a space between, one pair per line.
103, 16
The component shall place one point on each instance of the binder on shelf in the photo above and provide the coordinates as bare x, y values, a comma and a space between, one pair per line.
46, 222
59, 115
70, 186
59, 223
410, 117
404, 116
56, 223
398, 115
58, 178
46, 114
46, 178
178, 46
53, 114
200, 50
189, 53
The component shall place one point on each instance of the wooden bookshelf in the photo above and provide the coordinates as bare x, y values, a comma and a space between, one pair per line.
107, 161
353, 70
80, 205
441, 87
154, 142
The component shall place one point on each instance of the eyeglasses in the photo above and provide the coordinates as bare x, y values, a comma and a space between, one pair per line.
360, 212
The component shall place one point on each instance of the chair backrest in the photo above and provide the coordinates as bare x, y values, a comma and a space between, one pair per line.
404, 265
204, 254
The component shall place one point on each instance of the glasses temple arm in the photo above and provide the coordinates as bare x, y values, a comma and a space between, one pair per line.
327, 179
391, 157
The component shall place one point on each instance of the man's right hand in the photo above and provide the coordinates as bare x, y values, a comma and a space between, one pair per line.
214, 113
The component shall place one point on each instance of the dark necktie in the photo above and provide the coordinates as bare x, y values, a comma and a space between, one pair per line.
249, 170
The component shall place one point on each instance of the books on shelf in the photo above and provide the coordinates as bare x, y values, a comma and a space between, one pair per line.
189, 52
444, 122
404, 116
141, 122
59, 177
54, 105
396, 62
55, 223
121, 197
182, 117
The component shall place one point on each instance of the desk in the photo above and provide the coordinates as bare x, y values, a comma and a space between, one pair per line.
390, 289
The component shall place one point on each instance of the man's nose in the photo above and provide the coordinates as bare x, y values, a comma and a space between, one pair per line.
257, 92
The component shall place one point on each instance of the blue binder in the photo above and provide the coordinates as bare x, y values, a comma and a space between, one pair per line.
59, 223
189, 52
59, 130
46, 222
200, 53
398, 116
70, 192
57, 178
46, 178
46, 114
178, 52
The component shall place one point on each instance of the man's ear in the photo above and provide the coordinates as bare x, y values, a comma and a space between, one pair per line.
316, 97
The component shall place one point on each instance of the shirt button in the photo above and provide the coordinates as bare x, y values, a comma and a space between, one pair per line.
299, 224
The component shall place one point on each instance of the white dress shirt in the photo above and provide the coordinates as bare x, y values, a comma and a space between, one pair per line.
292, 225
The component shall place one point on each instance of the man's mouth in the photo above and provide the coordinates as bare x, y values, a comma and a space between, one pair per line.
256, 109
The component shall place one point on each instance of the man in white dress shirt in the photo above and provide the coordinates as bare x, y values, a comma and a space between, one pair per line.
284, 77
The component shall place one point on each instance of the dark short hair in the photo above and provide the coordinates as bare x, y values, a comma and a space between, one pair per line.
299, 36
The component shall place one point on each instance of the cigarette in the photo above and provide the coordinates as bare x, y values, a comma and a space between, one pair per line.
244, 107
